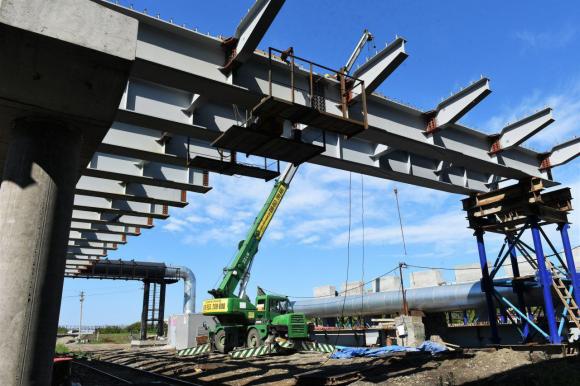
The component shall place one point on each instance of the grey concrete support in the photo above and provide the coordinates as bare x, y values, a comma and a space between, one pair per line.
36, 196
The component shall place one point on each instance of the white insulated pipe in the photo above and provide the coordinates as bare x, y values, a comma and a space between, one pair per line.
429, 299
188, 287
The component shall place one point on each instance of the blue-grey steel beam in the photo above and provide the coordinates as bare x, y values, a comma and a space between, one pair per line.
98, 236
374, 71
92, 244
143, 172
153, 145
105, 228
457, 105
390, 123
120, 207
561, 154
515, 133
96, 217
165, 57
250, 31
86, 251
121, 190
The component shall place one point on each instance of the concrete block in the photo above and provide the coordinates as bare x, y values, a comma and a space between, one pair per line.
185, 328
83, 23
70, 59
525, 268
386, 283
429, 278
352, 288
466, 273
410, 330
576, 256
324, 291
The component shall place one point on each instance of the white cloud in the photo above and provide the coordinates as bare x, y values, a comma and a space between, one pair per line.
310, 240
174, 224
565, 103
448, 228
196, 219
546, 39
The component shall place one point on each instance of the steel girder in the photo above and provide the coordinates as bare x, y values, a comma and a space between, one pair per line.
121, 190
105, 228
165, 57
180, 99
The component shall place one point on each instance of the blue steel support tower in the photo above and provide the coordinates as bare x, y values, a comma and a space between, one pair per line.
512, 211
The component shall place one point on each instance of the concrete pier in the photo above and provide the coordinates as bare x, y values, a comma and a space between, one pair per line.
63, 67
36, 196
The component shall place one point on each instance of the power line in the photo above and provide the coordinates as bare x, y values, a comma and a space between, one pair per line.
400, 219
339, 293
108, 287
102, 293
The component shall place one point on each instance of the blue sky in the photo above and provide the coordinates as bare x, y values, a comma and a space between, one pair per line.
529, 50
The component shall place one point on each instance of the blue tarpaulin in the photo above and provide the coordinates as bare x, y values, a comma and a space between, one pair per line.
343, 352
432, 347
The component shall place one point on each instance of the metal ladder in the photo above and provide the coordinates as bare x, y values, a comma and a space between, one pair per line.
565, 296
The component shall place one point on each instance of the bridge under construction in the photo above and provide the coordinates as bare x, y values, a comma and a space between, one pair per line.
109, 116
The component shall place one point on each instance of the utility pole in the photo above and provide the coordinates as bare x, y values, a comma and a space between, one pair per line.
405, 306
82, 299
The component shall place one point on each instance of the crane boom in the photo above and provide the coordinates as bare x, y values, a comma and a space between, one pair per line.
365, 38
239, 270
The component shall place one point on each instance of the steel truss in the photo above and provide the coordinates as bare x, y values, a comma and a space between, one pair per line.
512, 212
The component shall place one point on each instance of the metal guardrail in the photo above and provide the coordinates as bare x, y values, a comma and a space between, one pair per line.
347, 83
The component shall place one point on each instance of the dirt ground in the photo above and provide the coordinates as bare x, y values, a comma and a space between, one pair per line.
478, 367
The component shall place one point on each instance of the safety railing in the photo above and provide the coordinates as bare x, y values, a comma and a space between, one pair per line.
350, 90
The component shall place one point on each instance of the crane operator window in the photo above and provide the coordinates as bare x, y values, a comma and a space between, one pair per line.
279, 306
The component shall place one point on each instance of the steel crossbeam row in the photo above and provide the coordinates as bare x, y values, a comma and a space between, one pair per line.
121, 190
98, 237
428, 148
120, 207
187, 89
92, 244
96, 217
105, 228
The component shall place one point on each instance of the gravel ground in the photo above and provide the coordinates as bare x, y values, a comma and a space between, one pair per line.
480, 367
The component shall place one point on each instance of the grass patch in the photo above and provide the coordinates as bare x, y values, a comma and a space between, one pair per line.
61, 349
116, 338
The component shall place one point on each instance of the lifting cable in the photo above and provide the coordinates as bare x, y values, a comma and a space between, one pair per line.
362, 203
347, 245
347, 261
400, 219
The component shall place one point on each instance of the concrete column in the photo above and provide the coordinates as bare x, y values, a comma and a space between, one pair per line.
36, 197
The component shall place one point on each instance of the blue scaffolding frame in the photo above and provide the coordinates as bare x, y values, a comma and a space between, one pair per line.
513, 211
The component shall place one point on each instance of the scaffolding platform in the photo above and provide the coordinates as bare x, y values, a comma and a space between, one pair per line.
230, 168
508, 209
264, 144
272, 107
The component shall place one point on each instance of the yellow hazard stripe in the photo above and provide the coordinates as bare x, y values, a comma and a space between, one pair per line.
270, 211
